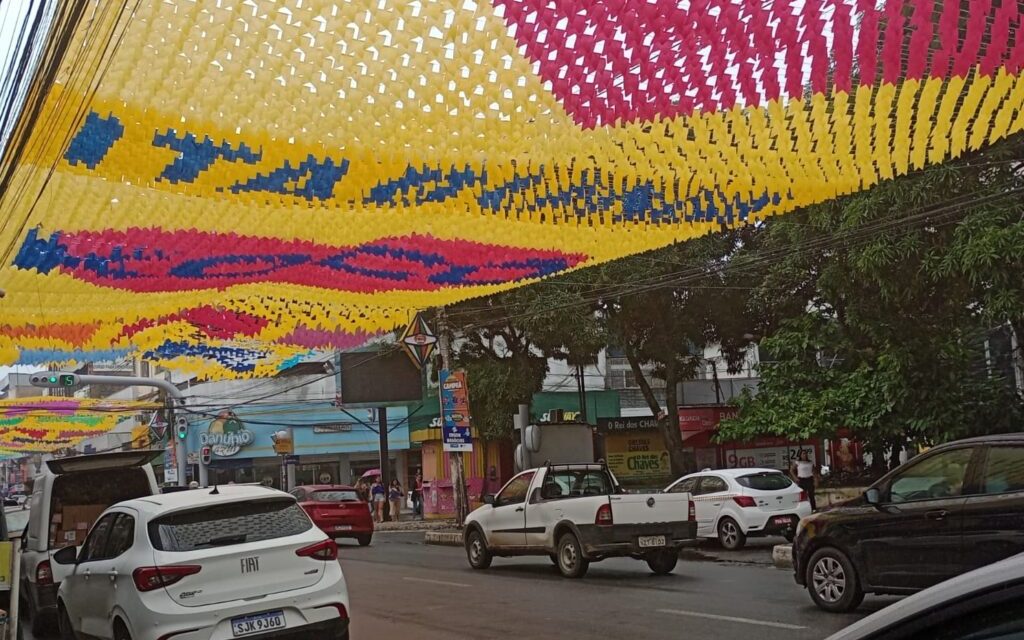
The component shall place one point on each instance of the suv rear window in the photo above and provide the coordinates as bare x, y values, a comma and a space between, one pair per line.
335, 496
228, 524
765, 481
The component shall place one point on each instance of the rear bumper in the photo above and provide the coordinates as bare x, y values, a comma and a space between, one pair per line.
43, 599
331, 630
769, 527
336, 529
623, 540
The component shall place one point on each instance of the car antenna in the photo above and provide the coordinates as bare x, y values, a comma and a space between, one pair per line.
215, 492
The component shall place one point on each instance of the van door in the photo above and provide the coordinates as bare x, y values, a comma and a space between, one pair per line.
103, 461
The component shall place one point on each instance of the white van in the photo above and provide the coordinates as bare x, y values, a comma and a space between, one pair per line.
67, 497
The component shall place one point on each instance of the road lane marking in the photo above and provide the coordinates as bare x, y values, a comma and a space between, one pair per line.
711, 616
443, 583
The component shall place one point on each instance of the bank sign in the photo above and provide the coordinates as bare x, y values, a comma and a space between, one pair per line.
455, 427
227, 435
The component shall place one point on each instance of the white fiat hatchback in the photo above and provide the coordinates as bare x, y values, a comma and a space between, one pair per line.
207, 564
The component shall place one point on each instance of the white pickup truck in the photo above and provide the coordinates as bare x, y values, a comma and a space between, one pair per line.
577, 514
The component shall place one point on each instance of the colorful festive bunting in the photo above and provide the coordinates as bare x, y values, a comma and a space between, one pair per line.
247, 181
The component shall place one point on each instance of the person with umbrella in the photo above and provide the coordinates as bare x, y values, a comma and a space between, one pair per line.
378, 494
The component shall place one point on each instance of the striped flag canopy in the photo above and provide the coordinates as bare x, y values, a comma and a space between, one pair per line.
224, 185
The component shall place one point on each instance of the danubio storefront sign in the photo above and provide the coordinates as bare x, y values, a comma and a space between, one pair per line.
227, 444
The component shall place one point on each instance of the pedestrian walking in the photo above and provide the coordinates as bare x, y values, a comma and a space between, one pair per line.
417, 495
378, 494
805, 475
395, 495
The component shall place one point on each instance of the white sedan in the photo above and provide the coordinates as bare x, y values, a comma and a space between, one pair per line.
209, 563
734, 504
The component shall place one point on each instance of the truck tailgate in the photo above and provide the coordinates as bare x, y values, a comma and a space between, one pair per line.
649, 508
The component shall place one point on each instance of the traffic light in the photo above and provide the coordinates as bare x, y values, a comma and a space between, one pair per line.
55, 380
181, 427
206, 455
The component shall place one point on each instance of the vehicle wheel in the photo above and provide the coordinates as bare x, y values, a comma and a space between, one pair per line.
121, 632
571, 562
663, 562
730, 536
364, 541
832, 581
476, 550
64, 627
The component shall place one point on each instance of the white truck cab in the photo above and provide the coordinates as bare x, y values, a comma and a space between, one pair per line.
577, 514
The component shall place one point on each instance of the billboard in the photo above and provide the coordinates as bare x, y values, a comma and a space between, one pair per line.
379, 378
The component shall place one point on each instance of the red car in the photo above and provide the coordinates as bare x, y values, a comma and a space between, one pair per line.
337, 510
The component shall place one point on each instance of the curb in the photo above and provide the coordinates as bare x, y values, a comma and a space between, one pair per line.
782, 556
446, 538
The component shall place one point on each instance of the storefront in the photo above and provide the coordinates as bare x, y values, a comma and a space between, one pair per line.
635, 450
330, 446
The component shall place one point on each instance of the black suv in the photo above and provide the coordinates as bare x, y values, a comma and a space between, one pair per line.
952, 509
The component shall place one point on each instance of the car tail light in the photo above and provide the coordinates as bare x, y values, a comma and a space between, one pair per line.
745, 501
44, 574
326, 551
342, 611
150, 578
691, 514
604, 516
803, 497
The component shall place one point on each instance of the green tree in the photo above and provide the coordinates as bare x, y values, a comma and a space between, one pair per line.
505, 341
876, 308
662, 321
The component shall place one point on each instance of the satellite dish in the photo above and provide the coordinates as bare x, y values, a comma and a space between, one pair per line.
533, 438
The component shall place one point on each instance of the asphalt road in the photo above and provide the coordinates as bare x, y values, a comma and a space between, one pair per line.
400, 587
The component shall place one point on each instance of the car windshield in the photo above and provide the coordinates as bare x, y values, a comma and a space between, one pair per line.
227, 524
768, 481
338, 495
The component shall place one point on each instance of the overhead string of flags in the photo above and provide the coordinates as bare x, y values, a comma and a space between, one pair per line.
247, 182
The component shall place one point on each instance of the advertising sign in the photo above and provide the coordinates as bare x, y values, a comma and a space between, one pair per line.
765, 457
226, 435
638, 458
171, 463
455, 411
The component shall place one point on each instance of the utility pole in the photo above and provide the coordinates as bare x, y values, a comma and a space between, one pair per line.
455, 461
385, 461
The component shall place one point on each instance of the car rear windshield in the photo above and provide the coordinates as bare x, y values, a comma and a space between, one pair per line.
335, 496
228, 524
765, 481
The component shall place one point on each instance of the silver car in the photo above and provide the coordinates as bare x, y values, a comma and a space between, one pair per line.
985, 604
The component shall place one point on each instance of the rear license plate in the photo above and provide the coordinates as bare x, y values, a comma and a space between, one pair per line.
783, 521
258, 623
342, 527
647, 542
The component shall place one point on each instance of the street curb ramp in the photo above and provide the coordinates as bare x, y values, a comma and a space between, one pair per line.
444, 538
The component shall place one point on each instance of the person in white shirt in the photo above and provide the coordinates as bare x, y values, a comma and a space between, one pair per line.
804, 474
